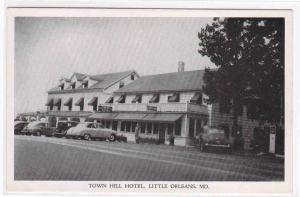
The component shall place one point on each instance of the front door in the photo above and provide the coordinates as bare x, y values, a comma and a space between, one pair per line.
161, 135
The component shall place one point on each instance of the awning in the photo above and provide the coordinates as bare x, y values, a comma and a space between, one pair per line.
121, 99
68, 102
137, 99
162, 117
103, 116
93, 101
154, 99
110, 100
57, 102
197, 98
174, 98
80, 101
130, 116
50, 102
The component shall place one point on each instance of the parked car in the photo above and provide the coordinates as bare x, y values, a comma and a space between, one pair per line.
91, 130
19, 126
215, 137
34, 128
62, 127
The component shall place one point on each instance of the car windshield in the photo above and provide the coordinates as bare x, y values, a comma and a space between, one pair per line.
19, 123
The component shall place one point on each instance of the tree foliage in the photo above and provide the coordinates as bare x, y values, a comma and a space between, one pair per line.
249, 55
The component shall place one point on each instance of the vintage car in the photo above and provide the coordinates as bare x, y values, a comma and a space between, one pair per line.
19, 126
215, 137
91, 130
62, 127
34, 128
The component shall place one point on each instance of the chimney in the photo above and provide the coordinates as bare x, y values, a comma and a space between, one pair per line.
180, 66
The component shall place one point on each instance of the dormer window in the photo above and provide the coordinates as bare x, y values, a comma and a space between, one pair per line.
73, 85
174, 98
121, 84
62, 86
85, 84
132, 76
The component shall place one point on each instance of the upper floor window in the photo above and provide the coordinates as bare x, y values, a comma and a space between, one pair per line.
110, 100
121, 84
174, 98
137, 99
154, 99
73, 85
132, 76
121, 99
62, 86
85, 84
197, 98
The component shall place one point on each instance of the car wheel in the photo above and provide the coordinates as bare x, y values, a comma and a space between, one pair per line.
38, 133
112, 138
87, 137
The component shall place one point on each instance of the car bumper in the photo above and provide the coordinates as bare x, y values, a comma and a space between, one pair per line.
218, 145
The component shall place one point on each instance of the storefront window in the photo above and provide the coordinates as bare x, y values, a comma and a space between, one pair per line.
128, 126
133, 125
170, 128
178, 127
149, 128
102, 123
155, 128
122, 126
107, 124
114, 125
143, 125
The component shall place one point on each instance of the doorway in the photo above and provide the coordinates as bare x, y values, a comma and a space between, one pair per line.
161, 134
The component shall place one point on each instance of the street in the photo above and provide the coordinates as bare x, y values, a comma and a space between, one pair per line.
48, 158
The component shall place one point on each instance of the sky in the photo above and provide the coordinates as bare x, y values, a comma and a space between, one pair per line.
47, 49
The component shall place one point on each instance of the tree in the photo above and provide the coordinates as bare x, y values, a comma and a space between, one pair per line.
249, 55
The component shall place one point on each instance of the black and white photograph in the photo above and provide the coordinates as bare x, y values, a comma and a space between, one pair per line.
156, 99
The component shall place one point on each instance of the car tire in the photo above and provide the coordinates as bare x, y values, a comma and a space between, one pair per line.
112, 138
38, 133
87, 137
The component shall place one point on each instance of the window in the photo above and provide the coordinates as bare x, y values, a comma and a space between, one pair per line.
154, 99
174, 98
62, 86
128, 126
170, 129
191, 127
137, 99
102, 122
107, 124
81, 107
133, 125
132, 76
114, 125
197, 98
155, 128
143, 127
149, 128
121, 84
73, 85
70, 107
178, 127
85, 84
123, 126
121, 99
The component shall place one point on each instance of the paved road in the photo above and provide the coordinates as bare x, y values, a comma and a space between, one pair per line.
43, 158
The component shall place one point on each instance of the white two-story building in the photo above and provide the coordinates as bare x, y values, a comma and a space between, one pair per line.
78, 96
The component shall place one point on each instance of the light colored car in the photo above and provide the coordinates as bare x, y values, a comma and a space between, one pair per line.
91, 130
216, 137
34, 128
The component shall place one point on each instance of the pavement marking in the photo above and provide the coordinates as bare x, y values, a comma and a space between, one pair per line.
255, 177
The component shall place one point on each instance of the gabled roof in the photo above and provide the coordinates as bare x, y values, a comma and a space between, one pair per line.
103, 80
169, 82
